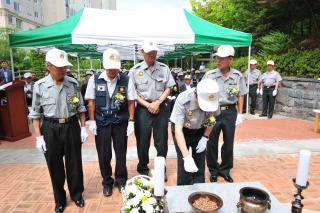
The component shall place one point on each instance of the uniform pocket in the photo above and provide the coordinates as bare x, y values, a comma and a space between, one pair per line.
47, 101
159, 85
142, 84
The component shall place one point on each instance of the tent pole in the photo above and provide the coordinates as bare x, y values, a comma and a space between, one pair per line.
248, 76
135, 51
11, 61
181, 62
191, 64
175, 63
100, 63
78, 60
91, 63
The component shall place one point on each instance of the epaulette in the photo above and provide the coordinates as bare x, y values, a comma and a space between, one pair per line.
136, 66
236, 72
162, 64
72, 80
40, 81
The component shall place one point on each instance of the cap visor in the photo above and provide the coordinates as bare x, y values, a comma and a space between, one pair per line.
222, 55
208, 106
62, 63
112, 65
147, 50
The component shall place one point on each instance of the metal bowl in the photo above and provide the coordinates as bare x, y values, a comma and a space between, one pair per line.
253, 200
213, 197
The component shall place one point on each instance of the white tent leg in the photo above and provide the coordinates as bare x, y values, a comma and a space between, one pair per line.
91, 64
247, 102
181, 62
191, 64
135, 50
11, 61
175, 63
78, 60
100, 64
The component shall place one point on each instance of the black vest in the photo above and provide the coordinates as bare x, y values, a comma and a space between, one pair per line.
114, 109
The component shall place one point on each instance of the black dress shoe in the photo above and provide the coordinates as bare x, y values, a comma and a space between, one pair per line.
165, 177
120, 186
107, 191
80, 202
226, 177
146, 173
252, 112
262, 115
213, 178
59, 208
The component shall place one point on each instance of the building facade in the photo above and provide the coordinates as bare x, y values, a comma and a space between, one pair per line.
24, 15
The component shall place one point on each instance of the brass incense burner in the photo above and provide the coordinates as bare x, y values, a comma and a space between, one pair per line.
253, 200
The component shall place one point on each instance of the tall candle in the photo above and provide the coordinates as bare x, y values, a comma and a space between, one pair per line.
159, 167
303, 168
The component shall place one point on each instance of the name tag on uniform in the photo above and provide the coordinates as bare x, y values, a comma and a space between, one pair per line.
101, 87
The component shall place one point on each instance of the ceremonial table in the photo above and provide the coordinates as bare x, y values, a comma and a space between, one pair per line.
177, 196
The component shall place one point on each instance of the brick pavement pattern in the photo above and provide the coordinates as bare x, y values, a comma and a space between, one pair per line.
27, 188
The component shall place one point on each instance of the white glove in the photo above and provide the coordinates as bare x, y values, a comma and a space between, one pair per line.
275, 92
93, 127
258, 91
173, 97
189, 164
202, 144
83, 134
41, 144
239, 119
130, 128
261, 91
169, 97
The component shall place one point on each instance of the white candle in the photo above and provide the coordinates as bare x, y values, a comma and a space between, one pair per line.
159, 166
303, 168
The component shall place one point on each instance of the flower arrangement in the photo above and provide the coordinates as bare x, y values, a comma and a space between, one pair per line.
119, 99
73, 101
209, 120
138, 197
233, 90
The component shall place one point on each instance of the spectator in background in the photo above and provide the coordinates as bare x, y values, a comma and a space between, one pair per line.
187, 83
180, 80
28, 87
202, 67
46, 73
84, 83
34, 77
197, 78
5, 73
69, 73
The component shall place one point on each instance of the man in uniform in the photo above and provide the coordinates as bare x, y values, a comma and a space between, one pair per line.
28, 87
152, 81
111, 97
269, 84
232, 88
58, 99
180, 80
254, 75
192, 121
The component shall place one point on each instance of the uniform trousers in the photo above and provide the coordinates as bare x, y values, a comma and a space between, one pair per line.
253, 96
192, 137
117, 133
268, 101
144, 124
225, 122
63, 140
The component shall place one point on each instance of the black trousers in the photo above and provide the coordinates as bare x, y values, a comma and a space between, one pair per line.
253, 96
225, 122
268, 101
118, 135
144, 123
63, 140
192, 137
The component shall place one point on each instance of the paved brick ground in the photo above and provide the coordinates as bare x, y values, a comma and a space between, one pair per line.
255, 129
26, 187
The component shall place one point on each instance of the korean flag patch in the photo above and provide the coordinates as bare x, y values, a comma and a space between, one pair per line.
101, 87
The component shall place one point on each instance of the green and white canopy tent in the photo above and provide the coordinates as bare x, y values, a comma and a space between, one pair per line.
101, 27
104, 27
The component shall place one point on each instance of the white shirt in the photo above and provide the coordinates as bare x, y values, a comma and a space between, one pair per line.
111, 84
188, 86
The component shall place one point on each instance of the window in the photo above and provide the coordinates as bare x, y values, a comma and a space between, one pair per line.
8, 1
10, 19
36, 14
19, 23
16, 6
